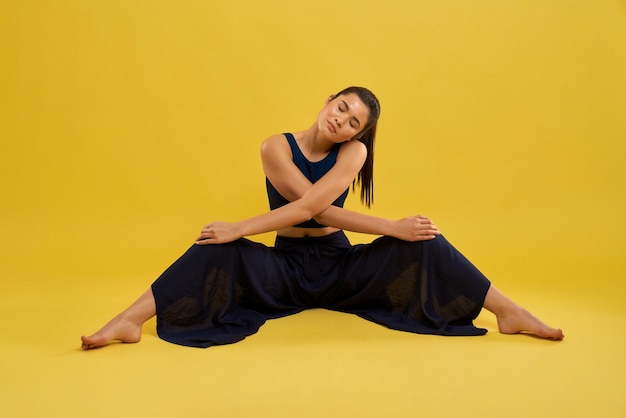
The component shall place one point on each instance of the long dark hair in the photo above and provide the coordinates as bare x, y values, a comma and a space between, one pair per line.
365, 178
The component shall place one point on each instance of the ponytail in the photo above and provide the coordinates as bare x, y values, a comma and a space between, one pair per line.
365, 178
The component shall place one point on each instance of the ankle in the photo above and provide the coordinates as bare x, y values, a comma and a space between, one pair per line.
498, 304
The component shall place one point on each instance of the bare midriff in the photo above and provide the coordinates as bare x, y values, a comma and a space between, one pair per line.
295, 232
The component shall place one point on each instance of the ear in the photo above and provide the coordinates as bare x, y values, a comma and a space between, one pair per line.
330, 99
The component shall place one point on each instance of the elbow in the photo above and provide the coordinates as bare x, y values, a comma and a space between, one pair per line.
309, 207
321, 218
306, 212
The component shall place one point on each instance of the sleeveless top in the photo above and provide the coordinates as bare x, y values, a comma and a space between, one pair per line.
312, 171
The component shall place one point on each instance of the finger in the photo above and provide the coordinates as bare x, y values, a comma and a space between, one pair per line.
205, 235
422, 221
204, 240
427, 237
209, 241
428, 232
424, 226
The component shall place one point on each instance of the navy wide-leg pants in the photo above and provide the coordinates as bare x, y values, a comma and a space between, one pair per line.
219, 294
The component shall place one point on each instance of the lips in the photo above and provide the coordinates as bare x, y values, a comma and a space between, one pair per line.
332, 127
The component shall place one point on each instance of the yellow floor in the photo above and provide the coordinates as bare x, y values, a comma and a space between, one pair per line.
314, 364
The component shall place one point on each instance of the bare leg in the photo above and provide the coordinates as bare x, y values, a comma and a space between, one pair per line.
125, 327
513, 319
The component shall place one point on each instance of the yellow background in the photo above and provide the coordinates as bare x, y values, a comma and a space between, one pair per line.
127, 125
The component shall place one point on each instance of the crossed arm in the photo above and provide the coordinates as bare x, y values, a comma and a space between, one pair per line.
310, 200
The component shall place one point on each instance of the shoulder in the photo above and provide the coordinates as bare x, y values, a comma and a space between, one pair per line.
275, 150
353, 149
274, 141
273, 144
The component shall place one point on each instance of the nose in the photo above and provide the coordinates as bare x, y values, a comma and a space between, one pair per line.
338, 122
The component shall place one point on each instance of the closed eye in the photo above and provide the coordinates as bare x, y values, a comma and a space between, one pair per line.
354, 122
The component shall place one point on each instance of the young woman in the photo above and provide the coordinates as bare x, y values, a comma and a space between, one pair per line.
410, 278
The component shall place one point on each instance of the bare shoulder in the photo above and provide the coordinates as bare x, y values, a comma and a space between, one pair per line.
275, 146
273, 141
353, 149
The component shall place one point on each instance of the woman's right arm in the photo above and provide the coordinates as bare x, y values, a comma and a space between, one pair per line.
317, 198
412, 228
292, 184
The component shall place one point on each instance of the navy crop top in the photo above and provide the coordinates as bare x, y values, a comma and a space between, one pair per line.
312, 171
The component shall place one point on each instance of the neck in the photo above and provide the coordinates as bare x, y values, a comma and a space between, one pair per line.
313, 142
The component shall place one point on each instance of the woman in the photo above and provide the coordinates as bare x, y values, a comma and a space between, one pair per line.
225, 286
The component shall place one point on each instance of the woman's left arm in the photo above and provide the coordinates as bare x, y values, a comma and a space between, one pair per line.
312, 202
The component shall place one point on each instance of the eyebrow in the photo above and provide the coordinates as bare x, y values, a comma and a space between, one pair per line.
354, 117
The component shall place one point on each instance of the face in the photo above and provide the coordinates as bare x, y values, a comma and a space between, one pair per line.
343, 117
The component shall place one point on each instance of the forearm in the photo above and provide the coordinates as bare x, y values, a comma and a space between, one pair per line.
283, 217
221, 232
354, 221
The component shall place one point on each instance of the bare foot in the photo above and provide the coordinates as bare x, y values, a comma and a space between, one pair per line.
518, 320
119, 329
513, 319
126, 327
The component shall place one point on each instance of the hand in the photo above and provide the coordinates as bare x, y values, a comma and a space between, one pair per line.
219, 233
415, 228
